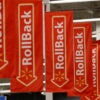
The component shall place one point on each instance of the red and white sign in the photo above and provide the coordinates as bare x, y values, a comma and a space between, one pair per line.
29, 29
3, 61
82, 40
58, 50
26, 45
94, 94
8, 44
80, 78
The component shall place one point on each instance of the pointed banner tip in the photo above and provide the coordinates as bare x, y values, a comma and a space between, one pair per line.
60, 84
4, 64
26, 82
91, 97
81, 89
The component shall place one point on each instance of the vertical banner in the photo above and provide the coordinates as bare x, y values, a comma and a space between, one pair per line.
28, 28
3, 44
94, 94
59, 69
82, 40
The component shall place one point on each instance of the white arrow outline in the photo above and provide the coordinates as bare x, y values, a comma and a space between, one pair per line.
86, 85
34, 76
97, 57
4, 37
66, 79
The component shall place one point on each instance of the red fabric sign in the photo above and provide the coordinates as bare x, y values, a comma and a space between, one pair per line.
94, 94
81, 58
7, 47
28, 28
59, 51
3, 61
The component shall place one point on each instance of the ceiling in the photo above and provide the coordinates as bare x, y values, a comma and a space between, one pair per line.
81, 10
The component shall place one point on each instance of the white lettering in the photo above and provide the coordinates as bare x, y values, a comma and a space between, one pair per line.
94, 67
79, 54
59, 45
26, 42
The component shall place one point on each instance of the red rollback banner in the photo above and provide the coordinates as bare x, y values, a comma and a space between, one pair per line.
94, 94
59, 70
28, 28
3, 44
82, 39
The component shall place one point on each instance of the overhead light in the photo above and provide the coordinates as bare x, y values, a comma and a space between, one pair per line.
70, 1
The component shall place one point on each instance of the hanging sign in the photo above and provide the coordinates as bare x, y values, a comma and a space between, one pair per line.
29, 75
81, 58
3, 61
94, 94
3, 55
58, 49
